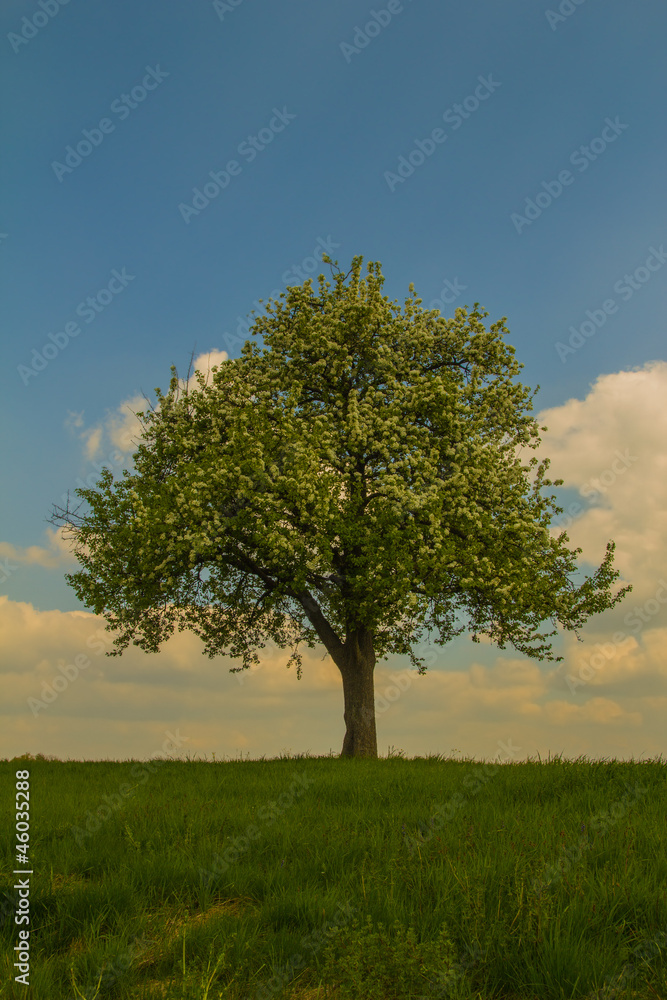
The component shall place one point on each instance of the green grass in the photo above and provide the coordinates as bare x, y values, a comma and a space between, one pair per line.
366, 879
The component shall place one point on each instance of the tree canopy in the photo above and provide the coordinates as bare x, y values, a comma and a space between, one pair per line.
356, 481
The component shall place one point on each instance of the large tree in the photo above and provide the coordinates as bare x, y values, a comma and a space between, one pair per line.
356, 481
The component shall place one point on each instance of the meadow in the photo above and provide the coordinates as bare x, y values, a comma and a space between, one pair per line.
319, 877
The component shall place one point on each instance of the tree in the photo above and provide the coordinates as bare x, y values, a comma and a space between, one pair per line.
355, 481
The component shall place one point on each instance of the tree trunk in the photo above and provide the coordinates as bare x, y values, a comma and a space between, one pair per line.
355, 658
356, 664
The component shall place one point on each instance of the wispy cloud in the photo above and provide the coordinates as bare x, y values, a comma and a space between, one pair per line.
55, 555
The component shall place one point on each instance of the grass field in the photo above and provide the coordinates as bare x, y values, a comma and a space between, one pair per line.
311, 877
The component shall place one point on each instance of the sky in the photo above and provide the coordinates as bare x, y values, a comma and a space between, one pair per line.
168, 166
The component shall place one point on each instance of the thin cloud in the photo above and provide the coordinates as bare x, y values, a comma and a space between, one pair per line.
131, 698
55, 555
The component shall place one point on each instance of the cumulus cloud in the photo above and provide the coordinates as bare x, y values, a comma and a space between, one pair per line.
205, 362
55, 679
605, 699
61, 695
123, 427
612, 447
110, 443
114, 438
120, 430
53, 556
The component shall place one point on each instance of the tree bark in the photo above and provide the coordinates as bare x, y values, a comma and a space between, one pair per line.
355, 658
356, 664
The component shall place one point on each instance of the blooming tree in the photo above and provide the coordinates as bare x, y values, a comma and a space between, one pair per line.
354, 482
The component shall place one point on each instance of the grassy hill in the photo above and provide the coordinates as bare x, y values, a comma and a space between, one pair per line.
305, 877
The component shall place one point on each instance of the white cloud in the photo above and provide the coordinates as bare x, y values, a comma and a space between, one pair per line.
205, 362
114, 440
93, 440
121, 429
54, 556
119, 706
118, 432
612, 447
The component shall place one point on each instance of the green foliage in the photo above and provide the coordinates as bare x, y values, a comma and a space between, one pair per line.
378, 966
361, 472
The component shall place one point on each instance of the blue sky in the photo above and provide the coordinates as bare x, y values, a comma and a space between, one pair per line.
319, 106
